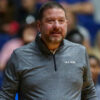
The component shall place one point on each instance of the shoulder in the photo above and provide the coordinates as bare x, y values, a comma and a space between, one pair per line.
75, 50
29, 48
74, 46
98, 87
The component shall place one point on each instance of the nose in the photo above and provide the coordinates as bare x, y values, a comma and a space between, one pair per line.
56, 24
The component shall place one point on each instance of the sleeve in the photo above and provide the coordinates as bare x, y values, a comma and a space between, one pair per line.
10, 82
88, 90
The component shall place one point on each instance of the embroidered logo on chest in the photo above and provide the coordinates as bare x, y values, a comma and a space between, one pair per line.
70, 62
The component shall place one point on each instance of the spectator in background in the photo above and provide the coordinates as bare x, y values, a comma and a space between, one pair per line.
27, 12
74, 26
96, 4
75, 36
7, 17
96, 49
78, 32
85, 14
86, 41
26, 34
95, 69
78, 6
3, 39
40, 2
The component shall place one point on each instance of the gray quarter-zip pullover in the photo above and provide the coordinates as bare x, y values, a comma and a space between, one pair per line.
37, 74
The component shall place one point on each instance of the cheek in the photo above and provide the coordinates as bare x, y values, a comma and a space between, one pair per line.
64, 26
64, 29
46, 28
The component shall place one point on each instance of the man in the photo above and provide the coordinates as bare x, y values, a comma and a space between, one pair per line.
50, 68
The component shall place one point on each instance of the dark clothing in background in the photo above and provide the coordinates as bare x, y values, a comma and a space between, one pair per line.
1, 78
23, 14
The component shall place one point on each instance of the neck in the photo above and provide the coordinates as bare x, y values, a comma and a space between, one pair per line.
52, 46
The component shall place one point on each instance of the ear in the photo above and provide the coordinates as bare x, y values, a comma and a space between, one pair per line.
38, 25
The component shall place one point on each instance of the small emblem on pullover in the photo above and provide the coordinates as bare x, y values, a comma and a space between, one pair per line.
70, 62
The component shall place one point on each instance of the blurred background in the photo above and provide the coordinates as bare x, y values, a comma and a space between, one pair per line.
18, 27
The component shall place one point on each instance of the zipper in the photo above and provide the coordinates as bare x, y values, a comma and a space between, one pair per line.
55, 67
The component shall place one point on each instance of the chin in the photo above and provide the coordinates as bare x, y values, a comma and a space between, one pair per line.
56, 40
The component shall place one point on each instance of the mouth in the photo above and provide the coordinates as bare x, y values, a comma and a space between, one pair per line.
56, 34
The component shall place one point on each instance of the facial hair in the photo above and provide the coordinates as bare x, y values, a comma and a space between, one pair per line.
54, 39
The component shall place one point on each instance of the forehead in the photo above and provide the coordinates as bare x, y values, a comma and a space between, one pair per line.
54, 12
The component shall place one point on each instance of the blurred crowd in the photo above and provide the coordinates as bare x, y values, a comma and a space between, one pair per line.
18, 27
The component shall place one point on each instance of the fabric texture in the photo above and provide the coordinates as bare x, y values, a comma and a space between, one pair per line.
37, 74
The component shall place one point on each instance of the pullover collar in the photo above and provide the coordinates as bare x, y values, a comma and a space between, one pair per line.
44, 49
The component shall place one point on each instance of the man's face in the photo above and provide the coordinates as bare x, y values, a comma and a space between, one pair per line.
53, 26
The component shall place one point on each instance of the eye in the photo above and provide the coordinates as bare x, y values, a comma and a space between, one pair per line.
61, 20
50, 20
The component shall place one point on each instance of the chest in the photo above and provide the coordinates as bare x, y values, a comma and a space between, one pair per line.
40, 72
